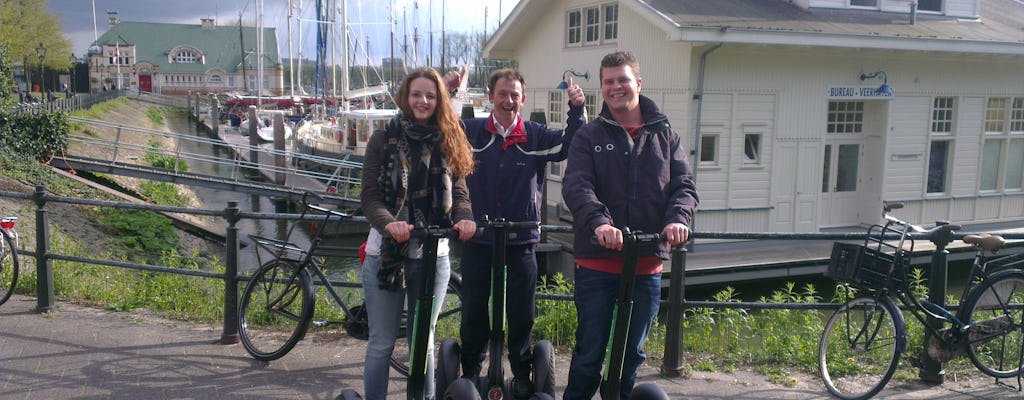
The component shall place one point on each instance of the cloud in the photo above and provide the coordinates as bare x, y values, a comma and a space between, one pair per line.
368, 18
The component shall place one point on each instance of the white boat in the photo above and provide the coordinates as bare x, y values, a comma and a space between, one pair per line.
264, 127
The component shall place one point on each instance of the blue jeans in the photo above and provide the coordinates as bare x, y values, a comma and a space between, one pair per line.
595, 299
384, 312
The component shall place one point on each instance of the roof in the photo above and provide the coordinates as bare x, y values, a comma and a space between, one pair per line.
220, 45
999, 28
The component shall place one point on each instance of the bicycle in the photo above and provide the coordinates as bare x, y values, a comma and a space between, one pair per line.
9, 264
862, 341
277, 305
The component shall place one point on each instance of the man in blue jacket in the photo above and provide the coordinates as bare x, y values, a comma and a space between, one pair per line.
511, 158
627, 168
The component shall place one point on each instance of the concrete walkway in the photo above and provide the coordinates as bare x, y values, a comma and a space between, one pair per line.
79, 352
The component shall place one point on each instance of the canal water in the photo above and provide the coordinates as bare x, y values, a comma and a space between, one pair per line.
275, 229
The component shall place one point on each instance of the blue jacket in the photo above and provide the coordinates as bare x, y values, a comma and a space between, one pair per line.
643, 185
508, 182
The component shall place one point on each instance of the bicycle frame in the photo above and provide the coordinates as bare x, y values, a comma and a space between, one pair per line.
307, 259
922, 310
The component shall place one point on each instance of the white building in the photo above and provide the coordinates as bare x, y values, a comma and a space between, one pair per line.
779, 101
177, 59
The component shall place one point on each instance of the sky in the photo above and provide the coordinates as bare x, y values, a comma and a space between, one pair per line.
367, 18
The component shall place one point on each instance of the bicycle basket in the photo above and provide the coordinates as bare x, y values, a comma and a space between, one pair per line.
865, 267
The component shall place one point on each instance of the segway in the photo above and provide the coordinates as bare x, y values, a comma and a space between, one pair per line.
419, 316
494, 386
622, 311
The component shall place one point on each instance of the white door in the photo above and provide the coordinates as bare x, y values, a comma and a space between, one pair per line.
795, 187
840, 183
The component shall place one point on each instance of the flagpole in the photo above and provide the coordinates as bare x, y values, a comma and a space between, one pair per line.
117, 60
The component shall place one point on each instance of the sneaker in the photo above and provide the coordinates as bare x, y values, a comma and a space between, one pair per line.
521, 388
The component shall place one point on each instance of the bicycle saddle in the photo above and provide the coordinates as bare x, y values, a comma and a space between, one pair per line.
985, 241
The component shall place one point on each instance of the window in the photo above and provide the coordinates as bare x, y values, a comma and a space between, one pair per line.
593, 25
611, 22
574, 28
589, 26
864, 3
186, 56
708, 149
845, 116
929, 5
995, 115
216, 79
1017, 116
752, 148
555, 110
938, 166
590, 105
1002, 153
556, 169
942, 114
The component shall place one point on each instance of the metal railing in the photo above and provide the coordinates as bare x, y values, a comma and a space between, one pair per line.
674, 305
79, 101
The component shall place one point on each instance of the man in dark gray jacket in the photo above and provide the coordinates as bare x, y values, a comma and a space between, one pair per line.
627, 168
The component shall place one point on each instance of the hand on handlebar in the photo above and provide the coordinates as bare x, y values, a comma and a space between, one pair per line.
675, 233
399, 230
466, 228
609, 237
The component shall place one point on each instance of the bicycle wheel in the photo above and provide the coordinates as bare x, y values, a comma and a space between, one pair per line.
447, 324
861, 347
994, 309
8, 267
276, 309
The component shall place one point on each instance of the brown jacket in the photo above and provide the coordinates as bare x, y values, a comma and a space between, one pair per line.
379, 214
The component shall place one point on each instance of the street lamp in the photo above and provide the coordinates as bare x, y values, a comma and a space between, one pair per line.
74, 63
41, 52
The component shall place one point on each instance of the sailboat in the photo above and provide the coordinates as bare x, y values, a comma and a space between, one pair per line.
344, 132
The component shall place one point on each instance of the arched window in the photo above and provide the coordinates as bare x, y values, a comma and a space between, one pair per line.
187, 55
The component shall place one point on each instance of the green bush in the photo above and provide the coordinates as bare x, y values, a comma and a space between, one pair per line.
155, 157
40, 136
149, 233
155, 115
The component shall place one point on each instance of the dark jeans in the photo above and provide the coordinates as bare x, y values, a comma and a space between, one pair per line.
520, 295
595, 300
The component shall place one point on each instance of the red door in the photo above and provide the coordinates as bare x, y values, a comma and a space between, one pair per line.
146, 83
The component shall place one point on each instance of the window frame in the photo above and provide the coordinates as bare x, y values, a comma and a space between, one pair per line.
758, 145
1003, 127
592, 25
714, 159
938, 113
946, 165
574, 29
556, 102
842, 119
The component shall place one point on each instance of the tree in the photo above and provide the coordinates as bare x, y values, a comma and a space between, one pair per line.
7, 87
24, 24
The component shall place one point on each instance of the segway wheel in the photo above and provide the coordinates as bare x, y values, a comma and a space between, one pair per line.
349, 394
447, 369
648, 391
544, 368
462, 389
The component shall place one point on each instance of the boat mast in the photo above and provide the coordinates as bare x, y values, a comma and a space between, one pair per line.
344, 57
291, 54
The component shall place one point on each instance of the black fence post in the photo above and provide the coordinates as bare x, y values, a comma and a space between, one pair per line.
931, 369
230, 335
672, 364
44, 268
